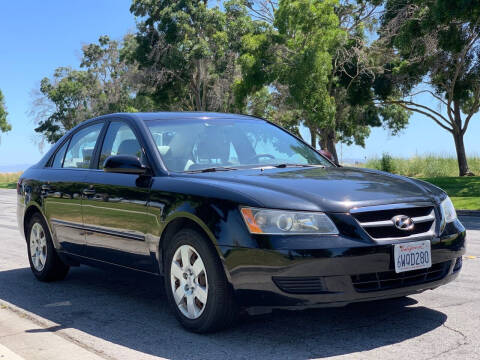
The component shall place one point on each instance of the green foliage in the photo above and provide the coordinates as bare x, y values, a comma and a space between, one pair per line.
386, 163
319, 52
70, 92
189, 51
425, 166
437, 43
4, 125
308, 30
104, 84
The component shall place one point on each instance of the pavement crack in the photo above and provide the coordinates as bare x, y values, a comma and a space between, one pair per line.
464, 341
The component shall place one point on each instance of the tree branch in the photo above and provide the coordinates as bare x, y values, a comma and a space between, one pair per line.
474, 110
425, 108
403, 105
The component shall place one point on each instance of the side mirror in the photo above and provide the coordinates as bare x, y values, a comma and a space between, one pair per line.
124, 164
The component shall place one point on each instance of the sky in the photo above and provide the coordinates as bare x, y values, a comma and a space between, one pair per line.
39, 36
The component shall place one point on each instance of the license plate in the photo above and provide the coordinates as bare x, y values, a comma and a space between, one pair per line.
412, 256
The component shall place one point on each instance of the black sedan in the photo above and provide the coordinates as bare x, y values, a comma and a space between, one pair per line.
233, 212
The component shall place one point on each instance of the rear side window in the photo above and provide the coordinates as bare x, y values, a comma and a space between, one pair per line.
80, 150
58, 159
119, 140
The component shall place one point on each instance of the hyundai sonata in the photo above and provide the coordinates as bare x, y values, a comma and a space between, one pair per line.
233, 212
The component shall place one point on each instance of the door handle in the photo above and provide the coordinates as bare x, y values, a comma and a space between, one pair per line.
88, 192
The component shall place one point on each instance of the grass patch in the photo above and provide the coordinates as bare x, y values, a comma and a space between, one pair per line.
438, 170
9, 180
427, 166
464, 191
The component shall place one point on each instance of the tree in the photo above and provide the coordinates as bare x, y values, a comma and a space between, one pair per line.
357, 62
292, 58
188, 51
4, 125
106, 83
327, 65
438, 47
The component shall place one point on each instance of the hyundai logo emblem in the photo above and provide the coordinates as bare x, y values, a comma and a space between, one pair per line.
403, 222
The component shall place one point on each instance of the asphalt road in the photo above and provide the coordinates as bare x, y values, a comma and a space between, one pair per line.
124, 316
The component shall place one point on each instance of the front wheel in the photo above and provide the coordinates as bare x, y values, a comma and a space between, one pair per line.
44, 260
196, 285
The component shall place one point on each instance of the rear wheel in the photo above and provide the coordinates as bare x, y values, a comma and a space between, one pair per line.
44, 260
196, 285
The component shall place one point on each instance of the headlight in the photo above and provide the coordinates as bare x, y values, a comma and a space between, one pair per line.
278, 222
448, 210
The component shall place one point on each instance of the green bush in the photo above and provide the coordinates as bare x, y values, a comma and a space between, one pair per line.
386, 163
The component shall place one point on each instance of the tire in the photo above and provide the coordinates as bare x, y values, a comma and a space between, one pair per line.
45, 263
194, 313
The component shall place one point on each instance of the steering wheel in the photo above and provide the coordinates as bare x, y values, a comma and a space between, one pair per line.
258, 156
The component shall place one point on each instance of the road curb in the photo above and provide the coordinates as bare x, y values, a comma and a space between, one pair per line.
7, 354
468, 212
70, 342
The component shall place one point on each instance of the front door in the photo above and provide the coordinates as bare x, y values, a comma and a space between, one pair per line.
115, 206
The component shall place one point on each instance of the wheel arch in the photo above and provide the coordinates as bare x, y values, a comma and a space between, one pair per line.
181, 221
33, 209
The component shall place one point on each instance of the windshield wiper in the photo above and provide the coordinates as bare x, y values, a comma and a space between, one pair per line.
211, 169
297, 165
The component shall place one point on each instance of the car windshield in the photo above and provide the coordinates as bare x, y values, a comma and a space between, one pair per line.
197, 144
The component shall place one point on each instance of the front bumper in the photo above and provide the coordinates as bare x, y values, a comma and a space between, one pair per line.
340, 271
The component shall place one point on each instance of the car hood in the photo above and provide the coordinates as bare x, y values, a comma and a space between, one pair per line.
335, 189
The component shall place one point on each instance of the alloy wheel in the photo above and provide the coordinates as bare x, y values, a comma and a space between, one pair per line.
189, 281
38, 247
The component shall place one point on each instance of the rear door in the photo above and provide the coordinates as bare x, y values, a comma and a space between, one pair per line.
63, 187
115, 208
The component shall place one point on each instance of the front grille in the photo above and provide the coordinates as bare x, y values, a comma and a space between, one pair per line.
300, 285
378, 223
391, 280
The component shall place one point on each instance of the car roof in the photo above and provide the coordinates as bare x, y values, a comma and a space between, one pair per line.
164, 115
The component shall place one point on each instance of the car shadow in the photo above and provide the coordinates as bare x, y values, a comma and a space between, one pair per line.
131, 310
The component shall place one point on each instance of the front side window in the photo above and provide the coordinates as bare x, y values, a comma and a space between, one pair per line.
195, 144
119, 140
80, 150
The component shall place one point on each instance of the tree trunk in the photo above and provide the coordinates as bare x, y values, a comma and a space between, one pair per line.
313, 137
327, 142
463, 169
461, 155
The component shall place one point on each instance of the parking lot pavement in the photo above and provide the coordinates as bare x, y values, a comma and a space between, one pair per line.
124, 316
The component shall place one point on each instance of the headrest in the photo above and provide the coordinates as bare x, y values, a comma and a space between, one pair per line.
214, 148
163, 149
129, 147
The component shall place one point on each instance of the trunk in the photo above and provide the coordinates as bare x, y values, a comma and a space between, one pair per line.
461, 155
463, 169
313, 137
331, 147
327, 142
